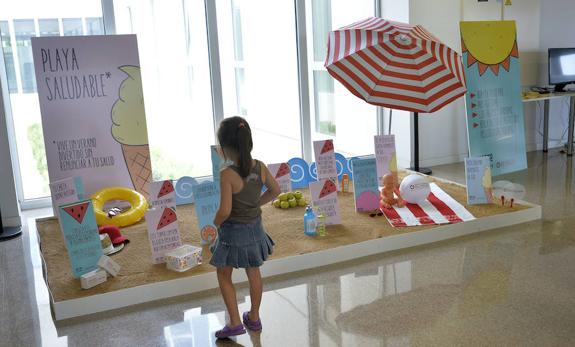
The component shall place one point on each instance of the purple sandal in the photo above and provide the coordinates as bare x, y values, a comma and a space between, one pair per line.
227, 331
252, 325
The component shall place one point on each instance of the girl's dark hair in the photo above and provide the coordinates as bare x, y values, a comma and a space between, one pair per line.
235, 134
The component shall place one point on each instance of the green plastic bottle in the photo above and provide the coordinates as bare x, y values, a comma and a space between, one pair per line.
320, 226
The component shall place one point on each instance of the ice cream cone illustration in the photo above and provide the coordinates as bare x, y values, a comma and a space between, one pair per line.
393, 169
129, 129
486, 183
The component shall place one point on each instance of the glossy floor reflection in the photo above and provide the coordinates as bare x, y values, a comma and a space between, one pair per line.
513, 286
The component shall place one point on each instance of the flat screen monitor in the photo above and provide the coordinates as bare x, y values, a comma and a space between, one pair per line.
561, 67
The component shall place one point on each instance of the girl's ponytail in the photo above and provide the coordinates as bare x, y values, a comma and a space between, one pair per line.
234, 133
245, 146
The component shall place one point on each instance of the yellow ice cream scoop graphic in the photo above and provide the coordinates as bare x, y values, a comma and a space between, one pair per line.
129, 129
128, 115
486, 179
393, 163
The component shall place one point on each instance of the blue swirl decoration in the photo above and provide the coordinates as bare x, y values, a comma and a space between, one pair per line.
184, 193
313, 172
300, 176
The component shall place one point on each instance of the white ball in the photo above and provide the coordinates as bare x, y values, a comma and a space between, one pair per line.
414, 189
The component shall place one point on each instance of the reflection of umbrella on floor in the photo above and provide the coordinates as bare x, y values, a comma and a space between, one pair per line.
400, 314
395, 65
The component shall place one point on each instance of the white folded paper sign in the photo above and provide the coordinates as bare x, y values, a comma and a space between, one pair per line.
109, 265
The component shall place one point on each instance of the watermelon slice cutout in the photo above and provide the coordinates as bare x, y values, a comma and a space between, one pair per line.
283, 170
327, 146
328, 188
77, 211
167, 188
168, 217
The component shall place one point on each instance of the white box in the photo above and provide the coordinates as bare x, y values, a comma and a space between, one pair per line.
109, 265
183, 258
93, 278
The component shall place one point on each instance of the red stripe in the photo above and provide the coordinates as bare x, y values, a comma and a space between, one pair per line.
336, 48
444, 92
393, 217
411, 77
357, 40
329, 43
445, 210
419, 213
347, 42
385, 59
368, 38
353, 76
343, 81
446, 102
412, 88
360, 24
353, 61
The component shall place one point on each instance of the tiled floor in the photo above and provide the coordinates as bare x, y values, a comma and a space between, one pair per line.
513, 286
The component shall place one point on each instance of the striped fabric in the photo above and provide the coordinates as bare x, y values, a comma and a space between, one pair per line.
395, 65
438, 208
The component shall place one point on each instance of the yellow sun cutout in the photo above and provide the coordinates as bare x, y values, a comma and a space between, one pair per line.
489, 44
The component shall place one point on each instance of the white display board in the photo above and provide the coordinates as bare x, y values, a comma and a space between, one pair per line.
93, 117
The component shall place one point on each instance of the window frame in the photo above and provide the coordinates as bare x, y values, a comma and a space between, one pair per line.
305, 65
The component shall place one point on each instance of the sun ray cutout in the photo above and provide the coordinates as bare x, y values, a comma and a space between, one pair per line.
490, 47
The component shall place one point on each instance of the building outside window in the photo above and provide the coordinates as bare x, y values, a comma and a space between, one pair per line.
19, 22
336, 113
172, 43
25, 29
8, 56
258, 60
94, 26
49, 27
72, 26
259, 76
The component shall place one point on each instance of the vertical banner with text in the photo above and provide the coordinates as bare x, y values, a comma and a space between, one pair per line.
92, 105
494, 108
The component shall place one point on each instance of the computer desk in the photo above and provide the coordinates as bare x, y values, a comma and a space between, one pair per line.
545, 98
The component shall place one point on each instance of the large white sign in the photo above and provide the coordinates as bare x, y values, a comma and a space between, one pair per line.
92, 106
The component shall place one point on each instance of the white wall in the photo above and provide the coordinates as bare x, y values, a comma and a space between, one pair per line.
443, 134
398, 10
555, 31
8, 200
535, 25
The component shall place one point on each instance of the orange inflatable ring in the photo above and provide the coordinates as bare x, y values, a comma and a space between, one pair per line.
138, 203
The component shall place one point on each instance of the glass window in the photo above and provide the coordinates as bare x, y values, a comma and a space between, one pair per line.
240, 87
258, 60
49, 27
337, 113
172, 42
8, 56
20, 70
72, 26
94, 26
24, 29
323, 102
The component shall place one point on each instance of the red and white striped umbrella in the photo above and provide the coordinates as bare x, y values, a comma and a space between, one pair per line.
395, 65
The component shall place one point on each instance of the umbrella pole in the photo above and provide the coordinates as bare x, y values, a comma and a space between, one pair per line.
8, 233
423, 170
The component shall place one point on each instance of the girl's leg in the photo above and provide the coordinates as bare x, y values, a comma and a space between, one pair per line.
256, 288
229, 294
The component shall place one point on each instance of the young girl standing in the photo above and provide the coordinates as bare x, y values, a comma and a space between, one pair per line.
242, 241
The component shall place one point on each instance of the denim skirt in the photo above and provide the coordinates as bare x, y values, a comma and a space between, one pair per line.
241, 245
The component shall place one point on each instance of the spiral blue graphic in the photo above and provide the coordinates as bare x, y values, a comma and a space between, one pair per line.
184, 194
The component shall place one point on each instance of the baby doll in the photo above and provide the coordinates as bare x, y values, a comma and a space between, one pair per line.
387, 197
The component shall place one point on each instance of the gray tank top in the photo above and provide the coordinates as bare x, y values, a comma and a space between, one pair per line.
246, 203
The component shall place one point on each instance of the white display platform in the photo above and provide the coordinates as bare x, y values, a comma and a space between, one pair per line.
193, 284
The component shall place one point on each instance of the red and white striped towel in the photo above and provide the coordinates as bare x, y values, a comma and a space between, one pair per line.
438, 208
